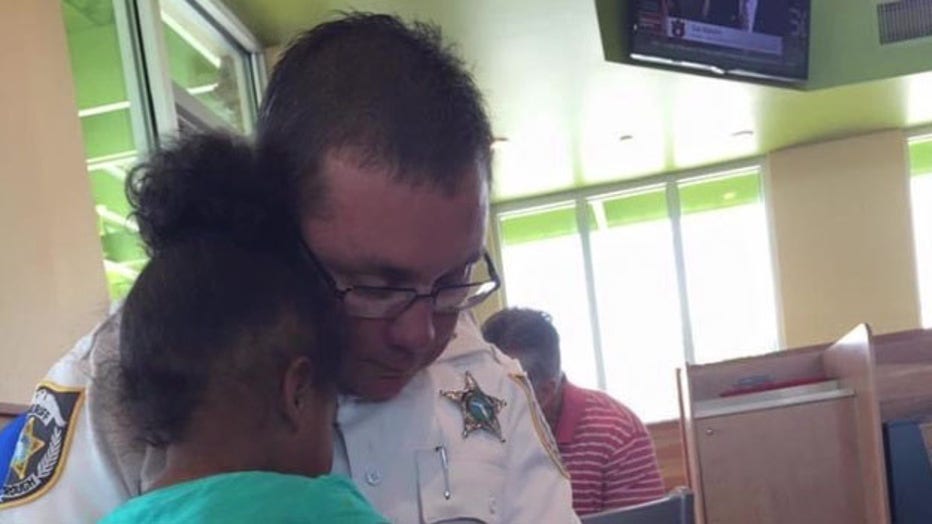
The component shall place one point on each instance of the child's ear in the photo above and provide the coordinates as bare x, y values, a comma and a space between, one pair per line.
297, 390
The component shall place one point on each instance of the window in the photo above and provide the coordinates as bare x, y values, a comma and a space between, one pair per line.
108, 109
542, 256
920, 159
119, 68
643, 279
208, 67
636, 291
726, 249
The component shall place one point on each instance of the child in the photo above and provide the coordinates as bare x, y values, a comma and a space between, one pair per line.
229, 346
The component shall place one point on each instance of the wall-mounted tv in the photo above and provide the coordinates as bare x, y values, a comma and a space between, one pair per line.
767, 39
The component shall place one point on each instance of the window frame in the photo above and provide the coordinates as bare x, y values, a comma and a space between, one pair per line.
670, 182
165, 103
157, 110
918, 134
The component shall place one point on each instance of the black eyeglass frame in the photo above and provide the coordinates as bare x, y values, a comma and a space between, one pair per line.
342, 293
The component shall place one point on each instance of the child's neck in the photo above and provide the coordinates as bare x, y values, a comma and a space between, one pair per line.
203, 457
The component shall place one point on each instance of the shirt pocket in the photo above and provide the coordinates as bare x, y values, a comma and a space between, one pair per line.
474, 486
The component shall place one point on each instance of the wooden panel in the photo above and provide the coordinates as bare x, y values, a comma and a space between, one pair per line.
905, 390
668, 445
10, 411
904, 373
710, 380
796, 464
851, 361
904, 347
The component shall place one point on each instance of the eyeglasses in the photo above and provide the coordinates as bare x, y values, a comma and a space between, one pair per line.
386, 302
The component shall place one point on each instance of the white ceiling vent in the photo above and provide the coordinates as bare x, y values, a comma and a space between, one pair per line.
903, 20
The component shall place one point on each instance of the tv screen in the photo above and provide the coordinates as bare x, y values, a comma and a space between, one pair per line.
756, 38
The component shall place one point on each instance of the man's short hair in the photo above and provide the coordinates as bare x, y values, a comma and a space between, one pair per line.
391, 94
529, 336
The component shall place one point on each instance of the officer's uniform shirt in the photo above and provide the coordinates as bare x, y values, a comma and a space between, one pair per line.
77, 460
409, 457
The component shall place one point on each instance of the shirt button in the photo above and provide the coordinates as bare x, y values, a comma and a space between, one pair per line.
492, 505
373, 477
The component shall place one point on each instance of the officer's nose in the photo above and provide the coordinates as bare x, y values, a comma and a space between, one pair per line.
413, 329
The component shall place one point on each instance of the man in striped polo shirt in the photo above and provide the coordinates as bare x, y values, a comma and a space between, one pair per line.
603, 444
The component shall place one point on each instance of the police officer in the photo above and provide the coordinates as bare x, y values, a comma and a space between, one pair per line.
381, 144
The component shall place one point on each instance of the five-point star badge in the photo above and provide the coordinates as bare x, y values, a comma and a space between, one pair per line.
480, 411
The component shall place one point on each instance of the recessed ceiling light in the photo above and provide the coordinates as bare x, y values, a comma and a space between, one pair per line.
625, 138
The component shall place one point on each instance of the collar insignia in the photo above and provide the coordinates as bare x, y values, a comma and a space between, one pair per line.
480, 410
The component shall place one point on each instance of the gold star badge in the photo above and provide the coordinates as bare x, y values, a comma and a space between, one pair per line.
480, 411
26, 447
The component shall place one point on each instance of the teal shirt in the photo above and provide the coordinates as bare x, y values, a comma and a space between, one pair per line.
251, 496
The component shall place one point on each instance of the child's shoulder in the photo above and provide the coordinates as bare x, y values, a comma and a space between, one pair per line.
248, 495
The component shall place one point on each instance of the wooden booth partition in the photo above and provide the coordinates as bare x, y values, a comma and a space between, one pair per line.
10, 411
786, 437
904, 373
667, 439
851, 360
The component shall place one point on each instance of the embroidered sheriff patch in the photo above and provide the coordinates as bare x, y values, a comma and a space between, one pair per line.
43, 444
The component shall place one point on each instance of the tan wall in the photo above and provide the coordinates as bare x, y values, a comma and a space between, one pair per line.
272, 54
52, 286
843, 237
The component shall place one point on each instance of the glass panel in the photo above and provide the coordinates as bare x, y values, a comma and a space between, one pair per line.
207, 65
921, 187
547, 273
728, 269
539, 225
920, 156
638, 301
109, 142
920, 164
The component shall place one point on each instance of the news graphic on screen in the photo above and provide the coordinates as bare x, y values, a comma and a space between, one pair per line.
766, 39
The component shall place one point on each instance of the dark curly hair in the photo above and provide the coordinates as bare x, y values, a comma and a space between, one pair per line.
392, 93
208, 183
228, 296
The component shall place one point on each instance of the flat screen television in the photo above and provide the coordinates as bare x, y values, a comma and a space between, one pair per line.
765, 39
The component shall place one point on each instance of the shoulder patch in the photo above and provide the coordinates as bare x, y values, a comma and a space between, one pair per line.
43, 444
540, 423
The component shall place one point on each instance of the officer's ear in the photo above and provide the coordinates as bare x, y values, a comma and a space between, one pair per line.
298, 393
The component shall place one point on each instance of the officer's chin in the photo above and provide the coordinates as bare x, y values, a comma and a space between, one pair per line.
380, 389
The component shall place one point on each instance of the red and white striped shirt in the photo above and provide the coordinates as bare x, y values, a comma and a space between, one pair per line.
607, 451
